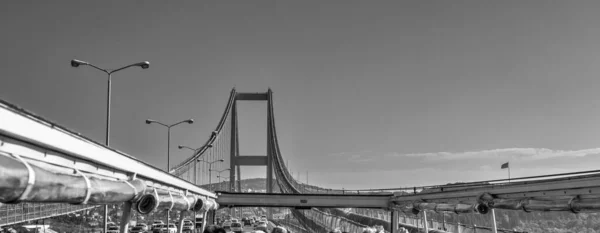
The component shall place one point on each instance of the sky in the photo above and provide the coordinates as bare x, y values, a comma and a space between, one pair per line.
366, 94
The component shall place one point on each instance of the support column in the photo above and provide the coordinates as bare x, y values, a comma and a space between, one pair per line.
394, 221
425, 221
494, 229
233, 147
181, 217
195, 226
269, 151
204, 220
458, 228
443, 221
126, 209
269, 146
126, 213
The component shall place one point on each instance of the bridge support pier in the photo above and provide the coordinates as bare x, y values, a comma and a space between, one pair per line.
204, 220
125, 217
105, 213
425, 221
494, 229
181, 217
394, 221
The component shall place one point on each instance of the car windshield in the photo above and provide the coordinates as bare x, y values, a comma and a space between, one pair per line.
113, 228
172, 225
236, 225
136, 228
188, 224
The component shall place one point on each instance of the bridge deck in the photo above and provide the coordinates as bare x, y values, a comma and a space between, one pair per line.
227, 199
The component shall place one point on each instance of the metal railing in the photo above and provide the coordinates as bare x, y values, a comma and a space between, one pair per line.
16, 213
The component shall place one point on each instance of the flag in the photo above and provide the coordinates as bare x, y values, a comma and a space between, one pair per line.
504, 165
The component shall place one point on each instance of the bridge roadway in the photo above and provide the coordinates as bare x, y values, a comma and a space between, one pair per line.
303, 201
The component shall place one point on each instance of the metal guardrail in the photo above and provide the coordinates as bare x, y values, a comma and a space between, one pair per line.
17, 213
37, 139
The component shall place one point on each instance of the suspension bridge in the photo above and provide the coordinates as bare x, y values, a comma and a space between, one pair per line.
47, 170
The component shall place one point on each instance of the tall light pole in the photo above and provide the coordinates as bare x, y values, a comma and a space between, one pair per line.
195, 163
210, 170
189, 121
77, 63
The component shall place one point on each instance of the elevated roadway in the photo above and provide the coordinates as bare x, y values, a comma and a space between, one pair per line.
302, 201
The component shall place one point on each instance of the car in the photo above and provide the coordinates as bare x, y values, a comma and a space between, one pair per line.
172, 228
188, 226
247, 221
262, 226
143, 226
157, 228
164, 229
112, 229
157, 223
236, 227
137, 229
227, 225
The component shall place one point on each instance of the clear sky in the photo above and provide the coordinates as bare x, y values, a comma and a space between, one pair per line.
367, 94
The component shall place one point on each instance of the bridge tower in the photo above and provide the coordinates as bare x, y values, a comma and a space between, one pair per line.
238, 160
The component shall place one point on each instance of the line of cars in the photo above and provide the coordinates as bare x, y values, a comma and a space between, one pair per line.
236, 226
156, 227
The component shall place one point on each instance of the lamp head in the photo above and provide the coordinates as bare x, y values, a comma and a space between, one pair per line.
190, 121
144, 64
180, 147
221, 160
209, 146
77, 63
148, 121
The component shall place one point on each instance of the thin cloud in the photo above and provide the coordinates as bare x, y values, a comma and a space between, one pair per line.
339, 154
512, 153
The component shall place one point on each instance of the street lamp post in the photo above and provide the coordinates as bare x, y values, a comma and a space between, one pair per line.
210, 170
195, 167
149, 121
189, 121
77, 63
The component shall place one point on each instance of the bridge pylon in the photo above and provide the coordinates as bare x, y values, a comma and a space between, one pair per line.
238, 160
